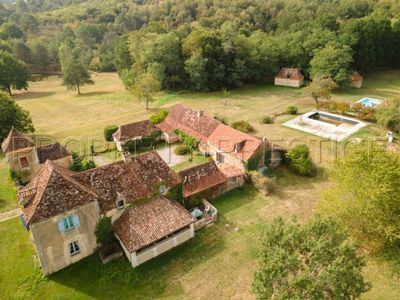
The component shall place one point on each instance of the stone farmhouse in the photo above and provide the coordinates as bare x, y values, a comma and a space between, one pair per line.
133, 131
25, 158
61, 209
289, 77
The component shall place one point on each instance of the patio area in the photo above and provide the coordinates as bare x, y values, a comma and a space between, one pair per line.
327, 125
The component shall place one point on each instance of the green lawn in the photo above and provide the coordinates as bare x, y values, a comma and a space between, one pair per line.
219, 261
8, 198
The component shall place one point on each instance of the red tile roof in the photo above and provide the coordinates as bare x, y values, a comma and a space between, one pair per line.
193, 122
52, 152
145, 223
55, 190
200, 178
230, 171
133, 130
135, 179
290, 73
234, 142
16, 140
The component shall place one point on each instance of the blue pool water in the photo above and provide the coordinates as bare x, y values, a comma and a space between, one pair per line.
370, 102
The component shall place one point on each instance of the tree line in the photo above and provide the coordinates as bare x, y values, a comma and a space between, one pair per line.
200, 45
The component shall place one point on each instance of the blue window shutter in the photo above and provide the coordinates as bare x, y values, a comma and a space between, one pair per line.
75, 219
61, 226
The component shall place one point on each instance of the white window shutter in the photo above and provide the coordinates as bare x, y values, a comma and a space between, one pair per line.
61, 226
75, 219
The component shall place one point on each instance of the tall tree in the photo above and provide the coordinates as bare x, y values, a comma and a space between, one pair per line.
75, 73
11, 114
145, 87
332, 61
311, 261
364, 195
13, 73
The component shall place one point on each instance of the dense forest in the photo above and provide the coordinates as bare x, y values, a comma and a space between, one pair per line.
205, 44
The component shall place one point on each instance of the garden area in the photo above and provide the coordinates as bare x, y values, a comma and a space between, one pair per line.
232, 245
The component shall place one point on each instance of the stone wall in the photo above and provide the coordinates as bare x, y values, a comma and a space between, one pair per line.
288, 82
52, 246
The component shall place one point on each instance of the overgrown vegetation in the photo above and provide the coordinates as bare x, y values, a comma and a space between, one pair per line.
189, 141
316, 260
364, 194
104, 231
243, 126
182, 150
79, 164
292, 110
157, 118
300, 162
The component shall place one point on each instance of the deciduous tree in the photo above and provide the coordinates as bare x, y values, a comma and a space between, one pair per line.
13, 73
320, 87
145, 87
11, 114
311, 261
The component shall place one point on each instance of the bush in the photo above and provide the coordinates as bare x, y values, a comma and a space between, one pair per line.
243, 126
364, 113
104, 231
222, 119
292, 110
267, 120
264, 184
79, 165
181, 150
109, 131
389, 116
159, 117
188, 140
300, 162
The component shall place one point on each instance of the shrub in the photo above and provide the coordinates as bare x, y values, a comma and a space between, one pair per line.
300, 162
242, 126
79, 165
104, 231
159, 117
264, 184
109, 131
364, 113
292, 110
190, 141
222, 119
181, 150
267, 120
389, 116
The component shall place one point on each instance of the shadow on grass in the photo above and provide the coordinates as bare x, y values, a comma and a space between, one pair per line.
159, 276
91, 94
32, 95
3, 203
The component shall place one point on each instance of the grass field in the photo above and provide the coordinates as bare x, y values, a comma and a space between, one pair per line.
219, 261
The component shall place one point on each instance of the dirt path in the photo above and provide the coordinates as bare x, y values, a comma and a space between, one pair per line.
10, 214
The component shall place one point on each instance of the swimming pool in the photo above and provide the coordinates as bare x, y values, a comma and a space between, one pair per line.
370, 102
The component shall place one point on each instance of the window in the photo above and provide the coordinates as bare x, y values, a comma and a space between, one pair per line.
121, 204
74, 248
68, 223
24, 162
163, 189
220, 158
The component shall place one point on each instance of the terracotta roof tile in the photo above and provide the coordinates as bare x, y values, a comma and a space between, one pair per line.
200, 178
133, 130
230, 171
53, 191
52, 152
135, 179
290, 73
143, 224
356, 77
234, 142
193, 122
16, 140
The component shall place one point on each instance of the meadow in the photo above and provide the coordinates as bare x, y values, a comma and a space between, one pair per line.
220, 260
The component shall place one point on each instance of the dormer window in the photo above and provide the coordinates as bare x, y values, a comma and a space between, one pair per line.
24, 162
121, 201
